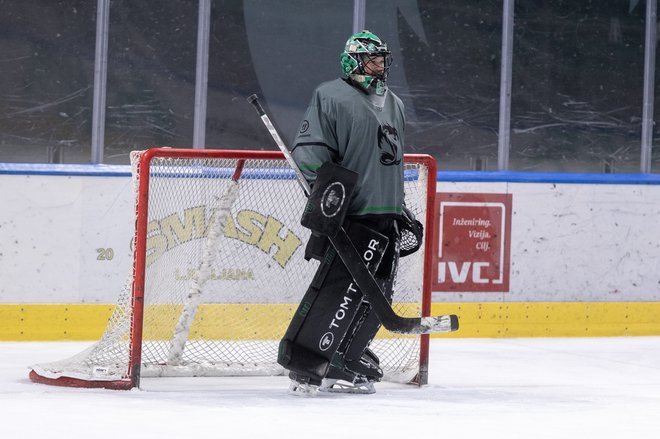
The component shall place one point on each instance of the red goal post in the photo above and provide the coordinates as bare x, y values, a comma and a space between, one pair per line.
218, 272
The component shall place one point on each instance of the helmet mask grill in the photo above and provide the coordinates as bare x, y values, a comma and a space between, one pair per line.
376, 59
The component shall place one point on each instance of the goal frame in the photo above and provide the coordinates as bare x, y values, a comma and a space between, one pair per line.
133, 376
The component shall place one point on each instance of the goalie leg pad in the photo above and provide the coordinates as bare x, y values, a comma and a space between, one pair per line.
354, 355
328, 308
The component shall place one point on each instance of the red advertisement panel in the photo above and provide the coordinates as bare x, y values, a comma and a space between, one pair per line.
474, 242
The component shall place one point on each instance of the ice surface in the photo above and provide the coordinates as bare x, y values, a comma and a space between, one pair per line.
479, 388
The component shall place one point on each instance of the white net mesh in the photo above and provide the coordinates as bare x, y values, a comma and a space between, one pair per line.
224, 276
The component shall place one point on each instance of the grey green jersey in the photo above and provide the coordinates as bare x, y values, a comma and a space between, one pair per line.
362, 133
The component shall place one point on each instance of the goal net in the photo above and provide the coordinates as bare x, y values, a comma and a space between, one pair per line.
218, 272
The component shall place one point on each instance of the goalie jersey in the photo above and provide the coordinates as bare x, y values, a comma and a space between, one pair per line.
361, 132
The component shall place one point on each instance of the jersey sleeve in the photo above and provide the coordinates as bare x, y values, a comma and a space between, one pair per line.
316, 140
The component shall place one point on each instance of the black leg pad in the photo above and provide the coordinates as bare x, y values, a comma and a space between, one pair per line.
328, 308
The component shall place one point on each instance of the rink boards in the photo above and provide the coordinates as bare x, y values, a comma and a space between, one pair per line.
584, 254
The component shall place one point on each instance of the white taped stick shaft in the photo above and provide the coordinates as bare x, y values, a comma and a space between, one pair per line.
287, 154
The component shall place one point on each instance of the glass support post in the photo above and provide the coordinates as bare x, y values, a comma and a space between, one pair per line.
202, 73
100, 80
503, 144
649, 86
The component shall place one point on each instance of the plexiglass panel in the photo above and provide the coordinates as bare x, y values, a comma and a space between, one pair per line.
279, 50
46, 80
446, 70
577, 86
151, 76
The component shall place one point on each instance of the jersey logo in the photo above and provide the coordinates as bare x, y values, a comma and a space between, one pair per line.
388, 143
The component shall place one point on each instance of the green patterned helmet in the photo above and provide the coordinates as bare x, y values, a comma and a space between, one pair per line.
360, 48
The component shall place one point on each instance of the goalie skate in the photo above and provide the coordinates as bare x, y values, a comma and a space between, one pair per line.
341, 379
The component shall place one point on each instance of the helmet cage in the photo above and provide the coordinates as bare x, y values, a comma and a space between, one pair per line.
367, 57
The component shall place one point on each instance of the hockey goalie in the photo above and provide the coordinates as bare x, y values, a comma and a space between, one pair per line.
350, 150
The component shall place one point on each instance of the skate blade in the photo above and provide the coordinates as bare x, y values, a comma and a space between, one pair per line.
335, 386
305, 390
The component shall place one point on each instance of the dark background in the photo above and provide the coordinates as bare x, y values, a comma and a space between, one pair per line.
576, 93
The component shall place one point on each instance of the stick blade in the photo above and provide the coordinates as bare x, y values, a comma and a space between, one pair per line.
432, 325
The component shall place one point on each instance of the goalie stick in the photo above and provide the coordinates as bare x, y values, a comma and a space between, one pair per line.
353, 262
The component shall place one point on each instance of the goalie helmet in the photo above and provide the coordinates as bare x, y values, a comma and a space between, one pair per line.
360, 49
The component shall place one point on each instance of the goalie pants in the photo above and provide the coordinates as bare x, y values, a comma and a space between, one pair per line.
332, 316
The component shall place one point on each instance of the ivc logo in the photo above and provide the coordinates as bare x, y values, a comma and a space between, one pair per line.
461, 272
